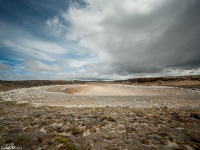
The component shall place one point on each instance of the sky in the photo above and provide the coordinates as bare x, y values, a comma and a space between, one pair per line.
98, 39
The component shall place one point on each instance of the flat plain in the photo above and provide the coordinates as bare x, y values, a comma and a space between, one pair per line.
100, 115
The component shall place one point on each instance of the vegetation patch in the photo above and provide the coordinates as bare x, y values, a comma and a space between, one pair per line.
108, 119
8, 103
77, 130
67, 144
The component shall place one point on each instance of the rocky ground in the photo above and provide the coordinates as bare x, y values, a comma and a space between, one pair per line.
27, 125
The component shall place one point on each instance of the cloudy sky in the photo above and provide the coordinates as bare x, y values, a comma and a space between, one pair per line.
98, 39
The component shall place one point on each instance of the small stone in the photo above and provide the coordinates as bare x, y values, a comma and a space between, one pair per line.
184, 119
196, 116
195, 138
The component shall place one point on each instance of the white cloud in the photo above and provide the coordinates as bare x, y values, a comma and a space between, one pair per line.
10, 33
38, 66
98, 15
108, 28
43, 46
76, 63
30, 52
55, 26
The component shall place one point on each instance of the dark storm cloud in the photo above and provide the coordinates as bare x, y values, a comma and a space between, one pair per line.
179, 46
137, 37
176, 46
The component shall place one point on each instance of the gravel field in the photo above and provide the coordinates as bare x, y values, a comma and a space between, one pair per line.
112, 95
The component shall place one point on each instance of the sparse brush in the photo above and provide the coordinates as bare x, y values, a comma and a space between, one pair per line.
108, 119
61, 140
163, 141
163, 134
8, 103
76, 131
67, 144
111, 119
144, 141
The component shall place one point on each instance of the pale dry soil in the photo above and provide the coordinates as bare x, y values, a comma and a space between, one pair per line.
112, 95
100, 117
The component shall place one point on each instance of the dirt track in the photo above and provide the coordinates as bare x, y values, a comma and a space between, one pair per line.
102, 95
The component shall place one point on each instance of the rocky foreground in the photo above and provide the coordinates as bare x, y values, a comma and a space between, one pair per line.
23, 126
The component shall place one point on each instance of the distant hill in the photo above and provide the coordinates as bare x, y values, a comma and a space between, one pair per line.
179, 81
9, 85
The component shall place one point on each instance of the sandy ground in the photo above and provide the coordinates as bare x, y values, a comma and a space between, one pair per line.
102, 95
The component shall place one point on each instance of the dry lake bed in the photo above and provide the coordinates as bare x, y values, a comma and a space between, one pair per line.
112, 95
